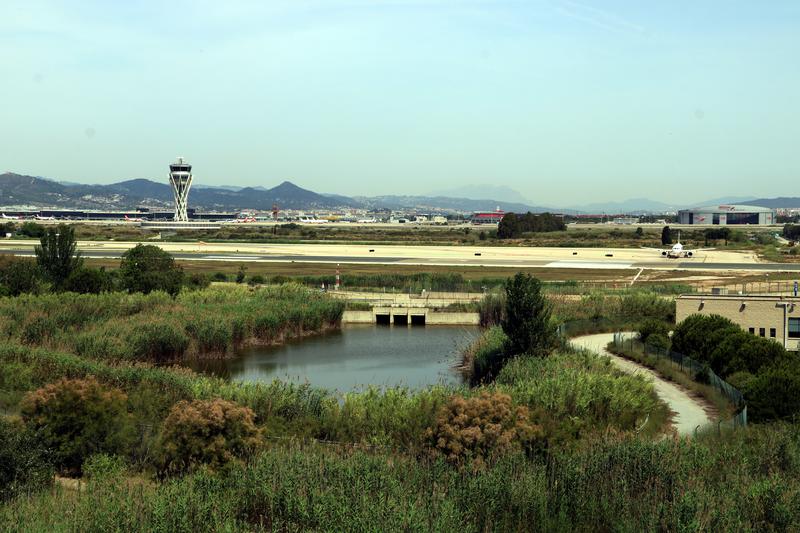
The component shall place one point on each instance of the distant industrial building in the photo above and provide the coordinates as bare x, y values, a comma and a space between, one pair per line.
773, 317
723, 215
487, 217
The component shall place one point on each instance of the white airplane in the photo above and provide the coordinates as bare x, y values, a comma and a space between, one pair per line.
133, 219
245, 220
677, 251
6, 217
40, 217
366, 221
310, 220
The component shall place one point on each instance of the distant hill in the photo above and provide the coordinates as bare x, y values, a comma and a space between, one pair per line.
783, 202
20, 190
447, 203
483, 191
16, 189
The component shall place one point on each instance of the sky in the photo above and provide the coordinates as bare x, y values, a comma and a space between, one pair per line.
566, 102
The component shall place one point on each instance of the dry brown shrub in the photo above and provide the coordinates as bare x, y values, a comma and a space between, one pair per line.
474, 430
212, 432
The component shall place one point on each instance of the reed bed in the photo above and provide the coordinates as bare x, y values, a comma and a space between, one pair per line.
748, 482
157, 328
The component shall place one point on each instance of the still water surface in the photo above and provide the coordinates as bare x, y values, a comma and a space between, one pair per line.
357, 355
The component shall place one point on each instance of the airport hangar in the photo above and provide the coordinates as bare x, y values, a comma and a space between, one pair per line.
726, 215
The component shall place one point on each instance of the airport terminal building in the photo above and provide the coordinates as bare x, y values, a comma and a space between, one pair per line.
724, 215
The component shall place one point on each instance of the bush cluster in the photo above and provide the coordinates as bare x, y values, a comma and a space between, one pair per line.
513, 225
767, 375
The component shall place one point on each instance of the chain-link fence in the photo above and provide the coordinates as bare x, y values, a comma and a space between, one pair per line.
696, 369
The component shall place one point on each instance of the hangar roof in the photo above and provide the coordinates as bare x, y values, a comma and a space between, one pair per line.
727, 208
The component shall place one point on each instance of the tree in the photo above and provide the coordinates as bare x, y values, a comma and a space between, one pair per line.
639, 232
527, 321
146, 268
666, 236
57, 254
240, 274
513, 225
791, 232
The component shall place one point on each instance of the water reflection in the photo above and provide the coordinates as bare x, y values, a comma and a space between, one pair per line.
355, 356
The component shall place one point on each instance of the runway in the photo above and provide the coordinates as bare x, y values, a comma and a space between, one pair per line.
494, 256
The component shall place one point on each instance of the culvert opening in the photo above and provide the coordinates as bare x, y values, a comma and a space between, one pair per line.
383, 319
400, 320
417, 320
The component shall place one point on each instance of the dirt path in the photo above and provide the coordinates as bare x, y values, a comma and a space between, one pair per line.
690, 412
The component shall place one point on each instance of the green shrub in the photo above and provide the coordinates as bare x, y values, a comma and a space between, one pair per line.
658, 341
652, 326
38, 328
77, 418
102, 466
87, 280
18, 276
213, 432
197, 280
25, 463
219, 276
258, 279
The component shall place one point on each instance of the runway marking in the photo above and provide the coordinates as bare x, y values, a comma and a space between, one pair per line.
231, 257
587, 264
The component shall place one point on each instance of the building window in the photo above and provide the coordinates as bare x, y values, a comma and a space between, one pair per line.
794, 328
772, 332
752, 330
762, 332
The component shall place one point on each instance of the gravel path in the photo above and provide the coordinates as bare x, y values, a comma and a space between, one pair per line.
690, 412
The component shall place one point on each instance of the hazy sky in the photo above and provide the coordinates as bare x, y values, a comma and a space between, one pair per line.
567, 102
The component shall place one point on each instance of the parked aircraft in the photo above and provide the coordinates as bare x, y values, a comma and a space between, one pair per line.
6, 217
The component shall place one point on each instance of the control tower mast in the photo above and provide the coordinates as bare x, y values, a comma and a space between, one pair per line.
180, 177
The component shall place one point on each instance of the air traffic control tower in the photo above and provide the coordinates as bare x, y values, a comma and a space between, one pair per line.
180, 177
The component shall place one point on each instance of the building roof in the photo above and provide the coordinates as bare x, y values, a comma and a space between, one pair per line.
728, 208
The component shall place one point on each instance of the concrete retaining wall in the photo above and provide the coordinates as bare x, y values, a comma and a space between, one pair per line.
432, 318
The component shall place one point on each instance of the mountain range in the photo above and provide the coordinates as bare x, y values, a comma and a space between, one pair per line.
20, 190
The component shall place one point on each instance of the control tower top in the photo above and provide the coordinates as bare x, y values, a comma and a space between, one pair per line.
180, 178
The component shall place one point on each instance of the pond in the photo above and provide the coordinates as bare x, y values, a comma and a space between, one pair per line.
355, 356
